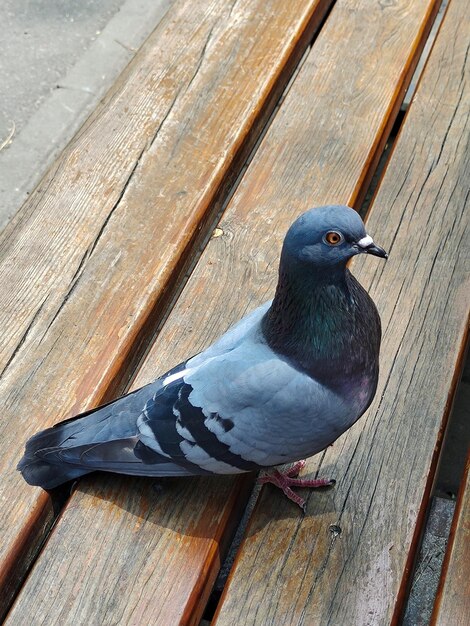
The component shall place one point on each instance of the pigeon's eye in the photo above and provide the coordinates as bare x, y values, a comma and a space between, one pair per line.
333, 238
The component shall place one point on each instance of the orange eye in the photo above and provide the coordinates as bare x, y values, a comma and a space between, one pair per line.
333, 238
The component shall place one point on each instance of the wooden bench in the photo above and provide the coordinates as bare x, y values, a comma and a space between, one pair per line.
97, 259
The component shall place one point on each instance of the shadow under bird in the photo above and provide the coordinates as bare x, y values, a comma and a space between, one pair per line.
281, 385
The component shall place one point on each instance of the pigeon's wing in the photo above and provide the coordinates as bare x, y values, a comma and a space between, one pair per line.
115, 437
185, 439
240, 409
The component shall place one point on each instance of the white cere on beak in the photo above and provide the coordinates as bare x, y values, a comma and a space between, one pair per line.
365, 241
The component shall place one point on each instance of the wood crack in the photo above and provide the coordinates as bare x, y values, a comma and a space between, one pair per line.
201, 56
24, 336
116, 204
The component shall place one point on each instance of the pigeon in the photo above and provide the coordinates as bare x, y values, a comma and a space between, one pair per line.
281, 385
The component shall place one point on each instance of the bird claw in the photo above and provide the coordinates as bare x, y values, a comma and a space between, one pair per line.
294, 470
288, 479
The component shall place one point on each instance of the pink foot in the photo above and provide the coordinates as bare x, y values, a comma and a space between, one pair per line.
287, 479
294, 470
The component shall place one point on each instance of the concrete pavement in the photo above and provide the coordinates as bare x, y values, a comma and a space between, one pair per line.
58, 58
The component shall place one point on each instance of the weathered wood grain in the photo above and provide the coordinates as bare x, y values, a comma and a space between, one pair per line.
319, 148
296, 570
89, 263
452, 607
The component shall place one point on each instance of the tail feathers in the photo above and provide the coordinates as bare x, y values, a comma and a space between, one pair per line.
37, 470
53, 456
46, 465
42, 474
49, 460
106, 438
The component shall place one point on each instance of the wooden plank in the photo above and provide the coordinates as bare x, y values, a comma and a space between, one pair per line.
90, 263
300, 570
452, 606
318, 148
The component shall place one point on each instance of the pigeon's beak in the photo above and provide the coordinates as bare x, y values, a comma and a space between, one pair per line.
367, 245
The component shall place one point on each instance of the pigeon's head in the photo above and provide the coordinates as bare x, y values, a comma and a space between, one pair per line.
327, 237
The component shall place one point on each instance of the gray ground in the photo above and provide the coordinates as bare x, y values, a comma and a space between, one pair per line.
41, 42
58, 57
